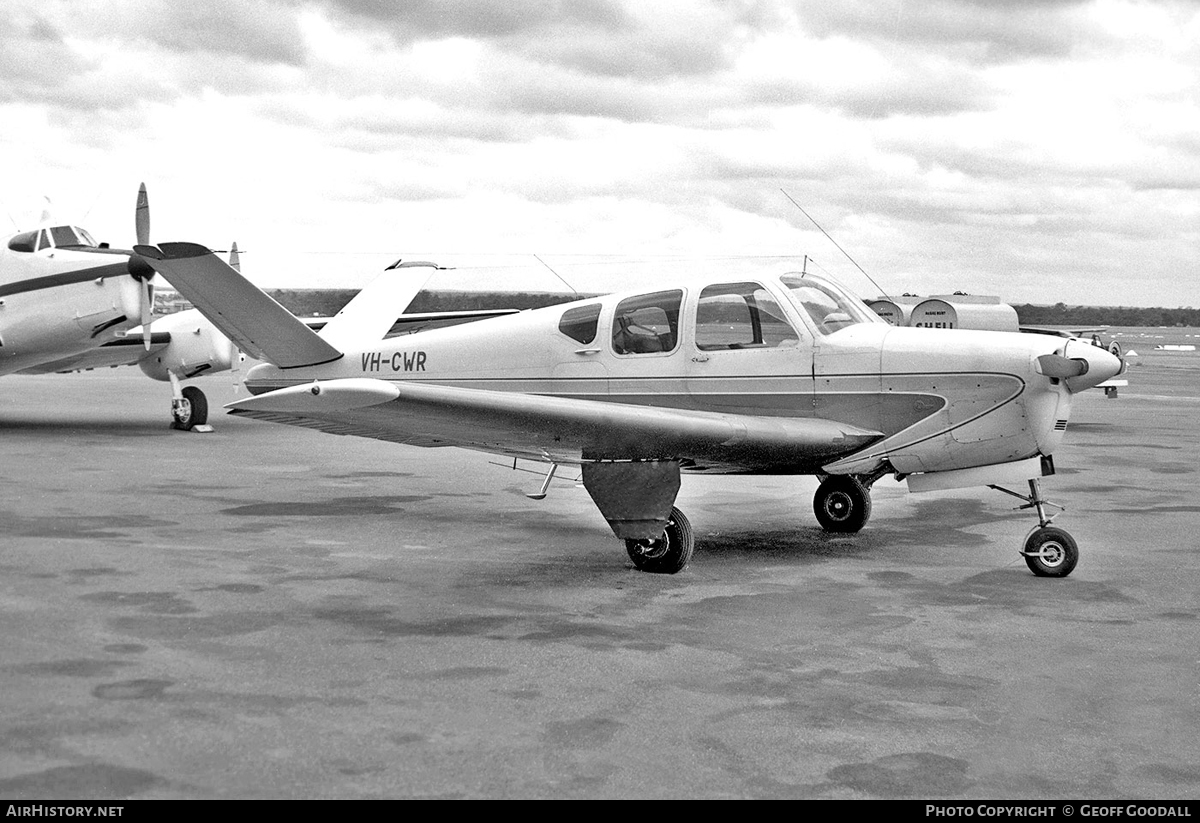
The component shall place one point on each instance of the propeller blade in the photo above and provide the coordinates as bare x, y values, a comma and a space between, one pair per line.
235, 259
141, 217
147, 317
1055, 365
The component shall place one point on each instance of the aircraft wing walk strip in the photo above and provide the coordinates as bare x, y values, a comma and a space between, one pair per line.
545, 424
246, 315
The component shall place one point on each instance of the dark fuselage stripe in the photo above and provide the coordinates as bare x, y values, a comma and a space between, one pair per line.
67, 278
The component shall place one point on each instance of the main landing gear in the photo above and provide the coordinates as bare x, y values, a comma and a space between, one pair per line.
667, 554
1049, 551
842, 504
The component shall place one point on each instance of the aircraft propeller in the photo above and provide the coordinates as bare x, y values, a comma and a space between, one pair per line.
138, 267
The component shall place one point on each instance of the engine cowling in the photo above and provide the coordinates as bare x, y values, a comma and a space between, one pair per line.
196, 348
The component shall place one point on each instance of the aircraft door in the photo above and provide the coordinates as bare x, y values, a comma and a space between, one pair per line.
580, 368
745, 355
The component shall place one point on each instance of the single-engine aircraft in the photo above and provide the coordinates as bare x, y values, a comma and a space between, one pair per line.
63, 310
789, 374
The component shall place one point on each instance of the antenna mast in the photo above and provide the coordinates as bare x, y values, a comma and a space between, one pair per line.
834, 242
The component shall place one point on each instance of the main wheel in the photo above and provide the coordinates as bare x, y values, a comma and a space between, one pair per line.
1051, 552
667, 554
191, 411
842, 504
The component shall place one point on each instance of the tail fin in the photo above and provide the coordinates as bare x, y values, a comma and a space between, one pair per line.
371, 312
244, 313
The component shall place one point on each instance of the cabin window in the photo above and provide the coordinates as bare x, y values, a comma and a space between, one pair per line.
647, 324
581, 323
43, 240
741, 316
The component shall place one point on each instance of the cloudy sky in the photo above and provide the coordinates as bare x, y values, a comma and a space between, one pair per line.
1041, 150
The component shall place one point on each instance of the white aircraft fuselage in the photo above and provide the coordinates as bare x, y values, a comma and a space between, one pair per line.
940, 400
59, 302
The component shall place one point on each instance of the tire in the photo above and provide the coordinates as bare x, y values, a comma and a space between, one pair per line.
667, 554
842, 504
1115, 348
1051, 552
193, 411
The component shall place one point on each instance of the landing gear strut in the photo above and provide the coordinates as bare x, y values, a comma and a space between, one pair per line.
842, 504
1049, 551
667, 554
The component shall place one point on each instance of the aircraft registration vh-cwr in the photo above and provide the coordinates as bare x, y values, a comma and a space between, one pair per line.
789, 374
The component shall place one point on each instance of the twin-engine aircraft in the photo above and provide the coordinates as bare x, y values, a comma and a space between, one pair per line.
789, 374
63, 310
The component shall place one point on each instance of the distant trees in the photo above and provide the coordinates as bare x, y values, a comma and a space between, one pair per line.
327, 302
1062, 315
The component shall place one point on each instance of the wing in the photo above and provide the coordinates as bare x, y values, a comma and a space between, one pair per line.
124, 351
565, 430
249, 317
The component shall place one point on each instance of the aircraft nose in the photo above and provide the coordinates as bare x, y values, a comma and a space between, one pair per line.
1101, 365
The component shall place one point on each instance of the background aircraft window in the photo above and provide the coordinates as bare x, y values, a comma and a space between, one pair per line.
741, 316
26, 241
580, 323
647, 323
64, 236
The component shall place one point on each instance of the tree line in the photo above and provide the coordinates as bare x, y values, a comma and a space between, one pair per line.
327, 302
1061, 314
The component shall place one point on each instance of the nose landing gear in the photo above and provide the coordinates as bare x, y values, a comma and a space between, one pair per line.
1049, 551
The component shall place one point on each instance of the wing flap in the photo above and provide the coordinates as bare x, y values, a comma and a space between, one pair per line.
510, 423
244, 313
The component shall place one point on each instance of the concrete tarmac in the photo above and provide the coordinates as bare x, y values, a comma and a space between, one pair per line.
270, 612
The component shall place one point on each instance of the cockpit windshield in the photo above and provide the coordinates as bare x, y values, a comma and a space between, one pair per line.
827, 304
57, 237
71, 236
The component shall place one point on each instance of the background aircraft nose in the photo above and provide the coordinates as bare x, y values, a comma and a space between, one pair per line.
1101, 365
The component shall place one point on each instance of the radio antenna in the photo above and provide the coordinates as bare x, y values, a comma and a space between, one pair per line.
834, 242
556, 274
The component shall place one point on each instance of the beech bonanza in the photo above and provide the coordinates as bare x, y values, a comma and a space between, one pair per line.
788, 374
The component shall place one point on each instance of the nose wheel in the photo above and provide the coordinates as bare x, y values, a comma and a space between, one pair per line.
189, 410
1048, 551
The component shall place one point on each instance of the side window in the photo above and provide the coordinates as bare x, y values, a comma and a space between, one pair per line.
741, 316
647, 323
580, 323
43, 240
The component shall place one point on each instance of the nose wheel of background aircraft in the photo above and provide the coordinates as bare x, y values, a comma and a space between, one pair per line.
190, 410
842, 504
667, 554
